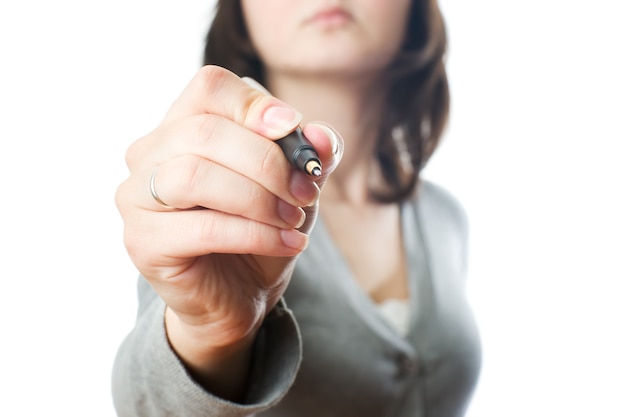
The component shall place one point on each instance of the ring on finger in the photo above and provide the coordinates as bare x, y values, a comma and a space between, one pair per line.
153, 190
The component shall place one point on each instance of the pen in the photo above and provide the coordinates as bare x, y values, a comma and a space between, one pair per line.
300, 152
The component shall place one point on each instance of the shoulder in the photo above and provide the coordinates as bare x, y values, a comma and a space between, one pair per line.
440, 203
445, 226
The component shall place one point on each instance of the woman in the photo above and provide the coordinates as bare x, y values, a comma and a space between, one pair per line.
245, 307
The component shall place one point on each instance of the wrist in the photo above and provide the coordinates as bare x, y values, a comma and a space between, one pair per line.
219, 364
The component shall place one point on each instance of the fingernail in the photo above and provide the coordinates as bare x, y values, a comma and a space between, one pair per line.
304, 190
332, 135
283, 119
294, 239
291, 215
302, 219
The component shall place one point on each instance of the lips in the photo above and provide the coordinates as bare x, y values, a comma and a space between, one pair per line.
330, 17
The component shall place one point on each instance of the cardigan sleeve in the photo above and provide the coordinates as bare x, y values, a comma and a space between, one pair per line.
149, 380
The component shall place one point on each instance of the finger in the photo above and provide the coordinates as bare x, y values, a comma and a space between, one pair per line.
190, 182
329, 146
230, 145
165, 238
215, 90
326, 134
255, 84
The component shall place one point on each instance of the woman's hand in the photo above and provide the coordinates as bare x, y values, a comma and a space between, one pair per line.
222, 251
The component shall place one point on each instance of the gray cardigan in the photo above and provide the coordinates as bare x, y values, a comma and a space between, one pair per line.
325, 350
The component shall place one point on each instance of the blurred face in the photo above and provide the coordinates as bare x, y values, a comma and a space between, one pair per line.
326, 36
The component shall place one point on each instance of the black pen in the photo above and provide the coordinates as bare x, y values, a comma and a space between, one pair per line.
300, 152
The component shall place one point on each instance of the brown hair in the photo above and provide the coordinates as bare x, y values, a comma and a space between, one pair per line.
418, 101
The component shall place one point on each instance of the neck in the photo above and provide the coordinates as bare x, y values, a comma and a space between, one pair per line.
353, 107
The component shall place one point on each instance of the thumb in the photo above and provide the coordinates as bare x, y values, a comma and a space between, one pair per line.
328, 144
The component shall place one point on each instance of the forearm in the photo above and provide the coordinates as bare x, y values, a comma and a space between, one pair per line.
149, 379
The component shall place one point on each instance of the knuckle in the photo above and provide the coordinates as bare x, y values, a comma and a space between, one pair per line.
205, 130
213, 78
120, 196
138, 152
245, 114
227, 232
270, 162
261, 206
254, 235
207, 230
189, 174
134, 241
133, 153
132, 245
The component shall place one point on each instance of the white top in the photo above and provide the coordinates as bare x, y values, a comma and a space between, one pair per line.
397, 313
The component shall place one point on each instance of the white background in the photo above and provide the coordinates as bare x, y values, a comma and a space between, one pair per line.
535, 152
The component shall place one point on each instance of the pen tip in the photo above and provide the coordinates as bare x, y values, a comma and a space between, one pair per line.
313, 167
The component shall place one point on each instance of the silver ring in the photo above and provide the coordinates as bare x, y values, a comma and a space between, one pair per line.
154, 192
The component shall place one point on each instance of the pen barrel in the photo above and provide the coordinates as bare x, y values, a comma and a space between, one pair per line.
298, 150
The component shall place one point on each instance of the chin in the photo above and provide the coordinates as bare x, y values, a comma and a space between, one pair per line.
345, 68
323, 58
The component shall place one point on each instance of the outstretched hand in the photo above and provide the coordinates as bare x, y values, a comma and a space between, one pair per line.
220, 244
